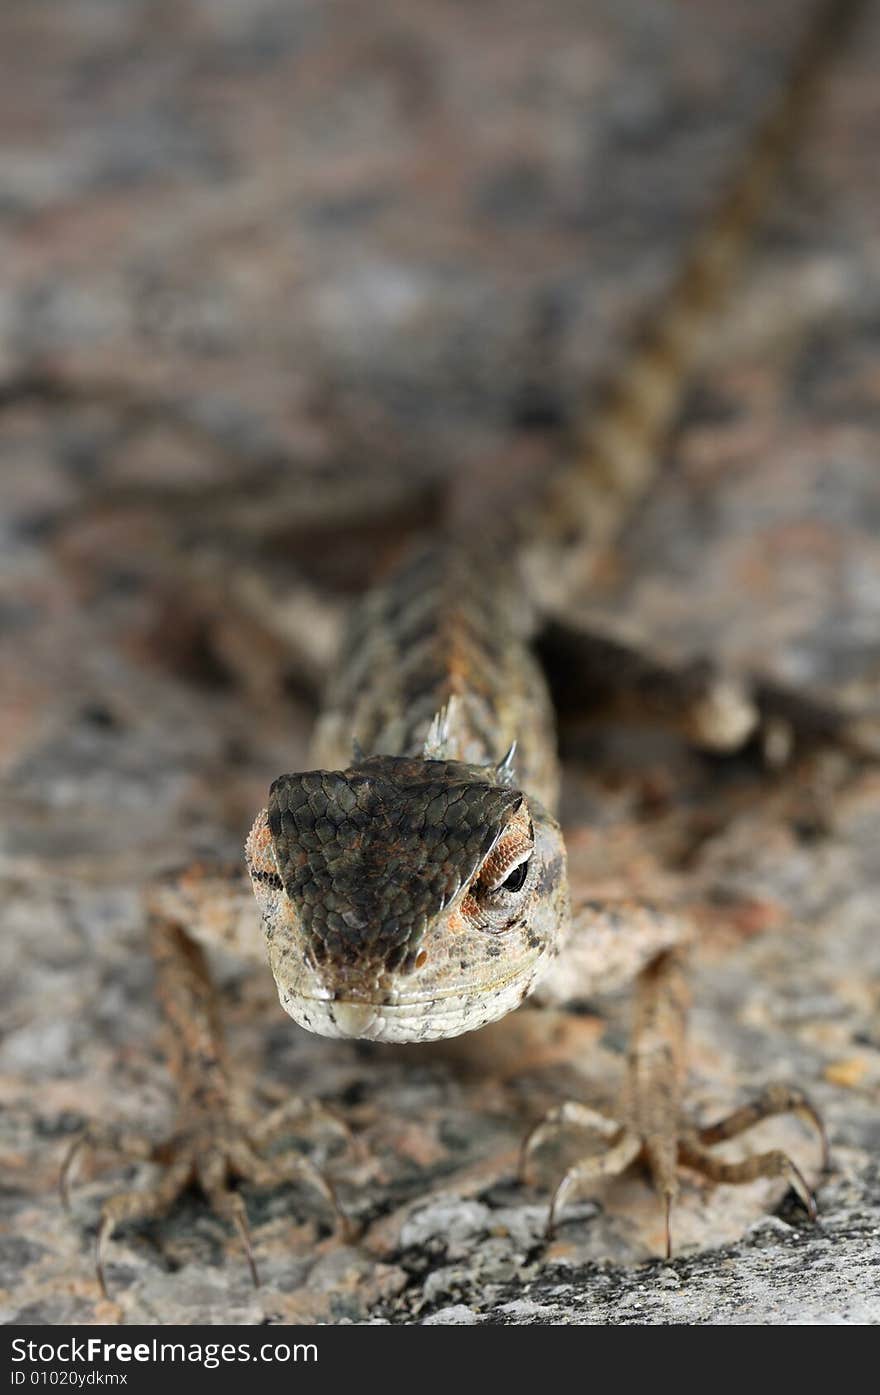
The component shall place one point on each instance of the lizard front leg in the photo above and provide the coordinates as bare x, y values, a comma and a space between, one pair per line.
649, 1122
214, 1139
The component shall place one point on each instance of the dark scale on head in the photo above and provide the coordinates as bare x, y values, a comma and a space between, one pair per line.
368, 856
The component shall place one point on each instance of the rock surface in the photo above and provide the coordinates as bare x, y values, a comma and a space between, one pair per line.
278, 280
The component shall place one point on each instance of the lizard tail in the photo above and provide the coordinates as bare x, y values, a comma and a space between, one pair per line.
618, 452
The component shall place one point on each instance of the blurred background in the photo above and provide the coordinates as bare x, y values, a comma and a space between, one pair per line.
284, 281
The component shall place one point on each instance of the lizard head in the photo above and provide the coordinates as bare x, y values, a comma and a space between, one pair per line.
405, 899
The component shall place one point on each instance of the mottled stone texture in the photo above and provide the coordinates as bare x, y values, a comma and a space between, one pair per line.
279, 279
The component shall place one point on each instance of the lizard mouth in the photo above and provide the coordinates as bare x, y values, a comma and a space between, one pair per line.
413, 1015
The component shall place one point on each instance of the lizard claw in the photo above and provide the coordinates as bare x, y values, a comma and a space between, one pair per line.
211, 1152
688, 1147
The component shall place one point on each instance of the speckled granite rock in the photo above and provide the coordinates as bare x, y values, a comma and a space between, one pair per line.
277, 279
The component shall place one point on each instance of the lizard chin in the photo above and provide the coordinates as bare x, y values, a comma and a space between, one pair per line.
407, 1016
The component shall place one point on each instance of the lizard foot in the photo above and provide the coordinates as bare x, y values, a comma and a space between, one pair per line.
210, 1152
686, 1146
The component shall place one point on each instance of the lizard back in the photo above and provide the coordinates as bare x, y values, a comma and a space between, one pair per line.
436, 662
414, 885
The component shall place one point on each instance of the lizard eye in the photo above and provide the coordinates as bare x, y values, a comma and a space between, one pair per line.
517, 878
506, 871
495, 900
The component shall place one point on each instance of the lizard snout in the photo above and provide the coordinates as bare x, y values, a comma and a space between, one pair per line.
356, 1019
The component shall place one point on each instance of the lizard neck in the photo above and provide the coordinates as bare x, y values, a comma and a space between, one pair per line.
435, 663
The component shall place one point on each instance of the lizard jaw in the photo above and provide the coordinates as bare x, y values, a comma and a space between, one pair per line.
410, 1018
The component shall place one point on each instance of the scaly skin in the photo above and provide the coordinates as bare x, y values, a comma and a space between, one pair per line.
418, 891
379, 921
413, 884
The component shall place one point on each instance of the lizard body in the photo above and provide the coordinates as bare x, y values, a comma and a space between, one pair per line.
412, 885
437, 681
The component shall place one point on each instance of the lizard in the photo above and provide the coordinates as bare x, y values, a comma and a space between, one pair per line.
412, 885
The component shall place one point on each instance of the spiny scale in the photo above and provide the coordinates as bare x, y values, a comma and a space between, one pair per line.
436, 662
